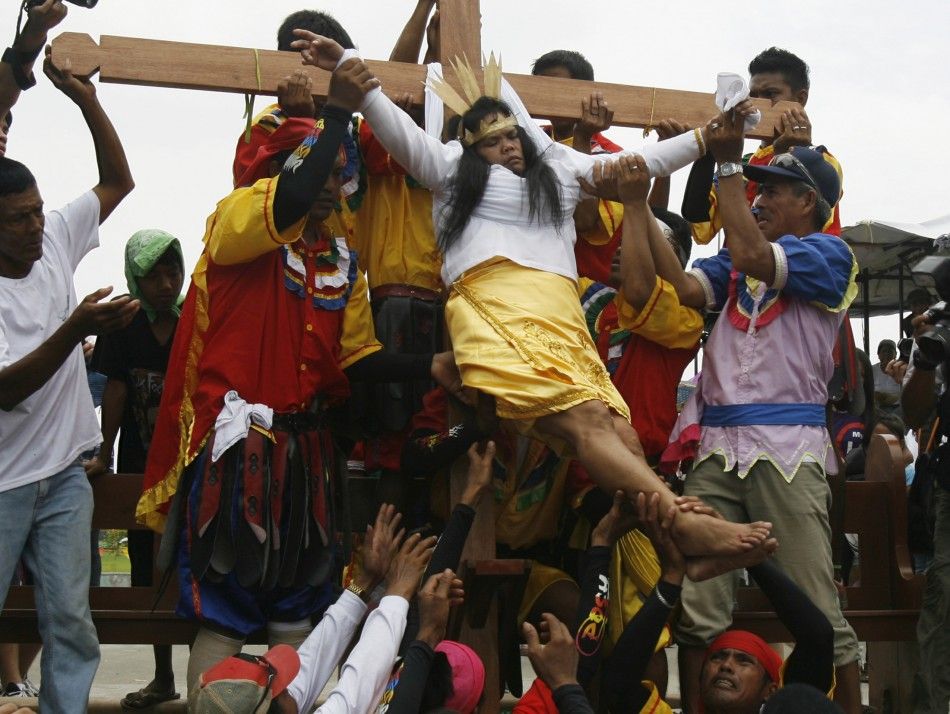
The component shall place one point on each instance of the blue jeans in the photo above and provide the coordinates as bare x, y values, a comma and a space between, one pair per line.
48, 523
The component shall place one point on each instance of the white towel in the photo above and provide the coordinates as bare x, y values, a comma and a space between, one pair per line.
434, 109
234, 422
730, 90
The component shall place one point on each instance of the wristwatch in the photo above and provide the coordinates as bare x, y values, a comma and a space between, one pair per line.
358, 591
728, 168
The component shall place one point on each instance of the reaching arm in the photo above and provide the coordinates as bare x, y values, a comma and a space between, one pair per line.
321, 651
812, 660
751, 252
426, 158
660, 192
301, 181
365, 671
115, 177
113, 407
591, 622
410, 39
637, 270
20, 379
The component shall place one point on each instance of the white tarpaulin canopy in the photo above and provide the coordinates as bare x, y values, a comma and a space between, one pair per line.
887, 251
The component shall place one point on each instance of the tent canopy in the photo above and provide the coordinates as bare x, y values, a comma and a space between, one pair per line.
886, 251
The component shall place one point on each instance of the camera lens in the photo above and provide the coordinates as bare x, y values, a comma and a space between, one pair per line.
935, 345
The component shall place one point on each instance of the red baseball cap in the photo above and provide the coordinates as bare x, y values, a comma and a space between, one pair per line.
245, 684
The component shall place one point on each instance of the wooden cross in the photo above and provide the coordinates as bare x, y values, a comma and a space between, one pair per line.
130, 60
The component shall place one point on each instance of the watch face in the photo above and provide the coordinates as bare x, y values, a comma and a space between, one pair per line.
730, 169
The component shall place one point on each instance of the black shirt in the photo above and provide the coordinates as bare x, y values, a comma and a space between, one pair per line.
133, 355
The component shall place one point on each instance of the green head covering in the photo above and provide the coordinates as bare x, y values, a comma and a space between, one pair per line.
141, 254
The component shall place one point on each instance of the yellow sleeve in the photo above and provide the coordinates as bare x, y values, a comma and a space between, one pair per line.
654, 704
703, 233
358, 338
663, 319
242, 227
611, 219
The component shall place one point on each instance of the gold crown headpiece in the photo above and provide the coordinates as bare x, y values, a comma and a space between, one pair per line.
454, 101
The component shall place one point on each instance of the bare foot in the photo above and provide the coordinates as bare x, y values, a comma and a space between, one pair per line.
703, 568
699, 535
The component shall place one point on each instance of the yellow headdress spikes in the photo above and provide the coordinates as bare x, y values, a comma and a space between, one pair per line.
492, 75
469, 83
463, 70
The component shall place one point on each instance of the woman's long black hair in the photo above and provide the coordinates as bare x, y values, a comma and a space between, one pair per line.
468, 185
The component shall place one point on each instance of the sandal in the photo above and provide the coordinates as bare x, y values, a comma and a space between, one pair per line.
145, 698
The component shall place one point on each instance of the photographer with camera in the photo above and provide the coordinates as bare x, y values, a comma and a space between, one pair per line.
16, 67
925, 392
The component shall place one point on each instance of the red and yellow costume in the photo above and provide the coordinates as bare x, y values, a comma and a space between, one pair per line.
265, 316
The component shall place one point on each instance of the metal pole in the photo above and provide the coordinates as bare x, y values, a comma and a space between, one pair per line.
866, 275
900, 299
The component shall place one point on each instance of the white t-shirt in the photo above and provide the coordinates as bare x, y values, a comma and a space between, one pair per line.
48, 430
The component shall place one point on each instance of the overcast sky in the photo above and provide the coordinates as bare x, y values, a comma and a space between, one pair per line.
880, 97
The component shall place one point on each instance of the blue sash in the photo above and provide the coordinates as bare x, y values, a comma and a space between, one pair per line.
791, 414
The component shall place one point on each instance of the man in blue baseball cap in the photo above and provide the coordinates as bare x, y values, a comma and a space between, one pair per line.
801, 167
783, 285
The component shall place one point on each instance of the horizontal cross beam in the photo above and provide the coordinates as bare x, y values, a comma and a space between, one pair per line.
161, 63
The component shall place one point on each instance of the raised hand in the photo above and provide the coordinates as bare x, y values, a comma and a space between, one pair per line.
796, 131
596, 116
478, 478
603, 183
724, 134
379, 547
92, 317
295, 95
446, 374
694, 504
407, 567
555, 662
441, 591
40, 20
633, 179
317, 50
349, 83
668, 128
79, 90
618, 520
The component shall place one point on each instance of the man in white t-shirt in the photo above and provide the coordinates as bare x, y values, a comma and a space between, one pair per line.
887, 392
47, 418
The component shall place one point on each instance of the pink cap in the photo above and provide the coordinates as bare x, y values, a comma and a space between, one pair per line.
468, 676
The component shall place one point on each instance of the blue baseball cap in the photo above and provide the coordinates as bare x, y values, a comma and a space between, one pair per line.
802, 163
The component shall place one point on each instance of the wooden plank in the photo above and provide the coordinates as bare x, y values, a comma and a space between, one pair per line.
129, 60
460, 30
885, 464
870, 625
891, 670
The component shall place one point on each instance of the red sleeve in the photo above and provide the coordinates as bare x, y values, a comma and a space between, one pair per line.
433, 417
537, 700
376, 159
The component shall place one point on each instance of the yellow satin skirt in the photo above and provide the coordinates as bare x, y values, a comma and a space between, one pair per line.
519, 335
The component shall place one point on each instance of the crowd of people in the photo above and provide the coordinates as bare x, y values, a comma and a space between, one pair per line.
360, 239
